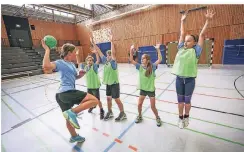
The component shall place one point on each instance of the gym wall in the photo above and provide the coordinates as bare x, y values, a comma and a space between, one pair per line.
4, 34
58, 30
163, 24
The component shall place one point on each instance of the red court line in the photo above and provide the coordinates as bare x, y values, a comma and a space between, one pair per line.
105, 134
194, 93
95, 129
117, 140
167, 101
133, 148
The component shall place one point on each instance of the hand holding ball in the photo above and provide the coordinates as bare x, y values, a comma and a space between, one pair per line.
50, 41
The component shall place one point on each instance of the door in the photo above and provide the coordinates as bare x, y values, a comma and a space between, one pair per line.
20, 38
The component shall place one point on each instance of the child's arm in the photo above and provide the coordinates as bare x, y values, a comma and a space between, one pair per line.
182, 27
99, 52
97, 56
131, 55
157, 47
112, 49
46, 63
209, 16
97, 48
78, 57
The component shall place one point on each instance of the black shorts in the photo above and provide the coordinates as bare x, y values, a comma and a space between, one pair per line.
68, 99
94, 92
147, 93
113, 90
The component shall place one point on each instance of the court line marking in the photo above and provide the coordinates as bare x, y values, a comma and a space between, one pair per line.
219, 124
29, 128
130, 126
193, 93
210, 135
51, 128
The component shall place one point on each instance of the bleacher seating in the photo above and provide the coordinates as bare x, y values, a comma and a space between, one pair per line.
18, 62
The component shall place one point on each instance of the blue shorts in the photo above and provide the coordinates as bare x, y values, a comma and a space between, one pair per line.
184, 89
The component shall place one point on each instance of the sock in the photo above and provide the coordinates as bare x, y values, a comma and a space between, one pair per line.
181, 117
186, 116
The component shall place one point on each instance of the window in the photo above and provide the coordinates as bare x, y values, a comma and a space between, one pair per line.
87, 6
48, 10
70, 15
57, 12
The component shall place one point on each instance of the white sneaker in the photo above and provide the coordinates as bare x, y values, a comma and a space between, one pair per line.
186, 122
181, 123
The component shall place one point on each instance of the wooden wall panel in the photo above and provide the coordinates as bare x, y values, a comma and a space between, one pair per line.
58, 30
3, 29
121, 47
236, 9
237, 31
163, 24
219, 34
83, 35
238, 19
4, 35
170, 37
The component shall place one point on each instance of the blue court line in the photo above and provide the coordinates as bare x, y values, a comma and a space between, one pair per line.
78, 149
133, 123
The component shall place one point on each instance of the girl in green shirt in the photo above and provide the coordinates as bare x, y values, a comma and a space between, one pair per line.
147, 82
185, 68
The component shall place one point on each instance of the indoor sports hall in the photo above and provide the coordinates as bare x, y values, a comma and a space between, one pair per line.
33, 37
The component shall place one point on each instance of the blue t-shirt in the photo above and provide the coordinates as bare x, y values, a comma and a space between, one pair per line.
154, 67
197, 48
95, 67
68, 75
112, 62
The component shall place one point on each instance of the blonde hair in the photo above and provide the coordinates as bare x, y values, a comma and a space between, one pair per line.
66, 48
89, 56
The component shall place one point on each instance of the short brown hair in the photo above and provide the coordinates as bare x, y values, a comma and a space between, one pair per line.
66, 48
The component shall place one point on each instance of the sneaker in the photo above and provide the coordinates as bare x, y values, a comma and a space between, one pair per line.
121, 116
159, 122
181, 123
71, 117
186, 122
108, 115
90, 110
77, 138
101, 114
138, 119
